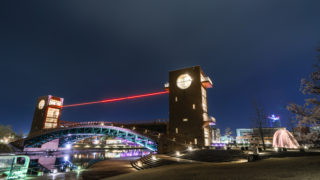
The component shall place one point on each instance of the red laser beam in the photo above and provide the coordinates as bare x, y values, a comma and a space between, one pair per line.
118, 99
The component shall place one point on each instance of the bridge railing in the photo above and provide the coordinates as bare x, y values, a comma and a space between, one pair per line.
72, 124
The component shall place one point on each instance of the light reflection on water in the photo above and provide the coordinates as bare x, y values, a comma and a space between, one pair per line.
75, 160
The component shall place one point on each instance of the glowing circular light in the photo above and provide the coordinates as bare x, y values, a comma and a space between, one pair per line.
184, 81
153, 157
68, 146
41, 104
96, 141
139, 163
66, 158
178, 153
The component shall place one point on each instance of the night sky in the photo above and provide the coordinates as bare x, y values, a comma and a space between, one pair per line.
91, 50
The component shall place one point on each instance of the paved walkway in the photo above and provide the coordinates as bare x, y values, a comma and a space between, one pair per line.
295, 168
177, 159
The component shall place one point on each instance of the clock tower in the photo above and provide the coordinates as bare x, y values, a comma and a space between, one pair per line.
47, 113
189, 122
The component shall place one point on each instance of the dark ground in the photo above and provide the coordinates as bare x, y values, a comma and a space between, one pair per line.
295, 168
107, 168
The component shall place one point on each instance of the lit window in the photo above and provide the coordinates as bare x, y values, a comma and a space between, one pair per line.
185, 119
206, 142
202, 77
204, 99
177, 131
204, 104
50, 125
53, 112
55, 102
205, 117
195, 141
206, 132
176, 99
193, 106
203, 92
52, 118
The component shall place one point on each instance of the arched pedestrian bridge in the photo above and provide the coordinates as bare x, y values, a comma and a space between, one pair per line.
71, 134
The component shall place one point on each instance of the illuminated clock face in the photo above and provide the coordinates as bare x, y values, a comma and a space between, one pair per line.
41, 104
184, 81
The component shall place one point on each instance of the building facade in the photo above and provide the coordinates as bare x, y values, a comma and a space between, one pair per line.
267, 136
244, 136
189, 121
47, 113
216, 136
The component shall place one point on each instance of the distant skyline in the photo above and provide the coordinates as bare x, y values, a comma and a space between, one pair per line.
92, 50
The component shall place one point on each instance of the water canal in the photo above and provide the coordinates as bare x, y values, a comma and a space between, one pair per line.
82, 164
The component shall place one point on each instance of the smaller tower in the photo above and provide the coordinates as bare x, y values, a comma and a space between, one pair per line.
47, 113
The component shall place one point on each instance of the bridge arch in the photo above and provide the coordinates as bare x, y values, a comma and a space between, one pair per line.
73, 134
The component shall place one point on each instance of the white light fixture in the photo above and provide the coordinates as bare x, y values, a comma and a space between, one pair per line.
184, 81
66, 158
139, 163
178, 153
68, 146
153, 157
96, 141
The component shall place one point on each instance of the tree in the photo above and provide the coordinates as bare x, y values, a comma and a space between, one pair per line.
308, 115
6, 131
260, 121
291, 124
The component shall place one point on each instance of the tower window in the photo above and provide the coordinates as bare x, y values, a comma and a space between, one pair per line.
204, 99
195, 141
177, 130
205, 117
193, 106
185, 119
176, 99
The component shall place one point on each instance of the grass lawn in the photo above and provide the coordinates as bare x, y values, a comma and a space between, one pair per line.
273, 168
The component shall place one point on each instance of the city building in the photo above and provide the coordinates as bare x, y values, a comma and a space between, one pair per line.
216, 136
267, 136
249, 136
315, 129
227, 139
189, 121
244, 136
